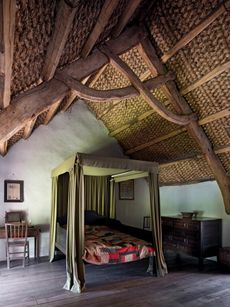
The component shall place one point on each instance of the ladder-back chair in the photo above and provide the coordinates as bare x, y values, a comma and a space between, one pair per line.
17, 245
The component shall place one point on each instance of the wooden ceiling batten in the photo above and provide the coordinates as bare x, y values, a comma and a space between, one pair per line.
3, 148
201, 122
218, 150
29, 128
7, 25
125, 17
147, 95
209, 76
103, 19
63, 24
194, 32
193, 127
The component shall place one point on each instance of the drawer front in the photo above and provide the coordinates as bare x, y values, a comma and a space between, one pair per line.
187, 224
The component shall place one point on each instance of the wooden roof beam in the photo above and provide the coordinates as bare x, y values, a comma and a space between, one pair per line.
145, 92
29, 128
193, 127
3, 148
35, 101
125, 17
91, 94
62, 27
52, 111
103, 19
7, 29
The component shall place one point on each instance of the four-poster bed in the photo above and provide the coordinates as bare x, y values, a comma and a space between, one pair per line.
68, 179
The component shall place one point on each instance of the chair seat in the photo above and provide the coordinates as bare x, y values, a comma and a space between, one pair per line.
17, 243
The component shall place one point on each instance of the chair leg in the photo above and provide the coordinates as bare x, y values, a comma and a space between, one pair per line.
7, 257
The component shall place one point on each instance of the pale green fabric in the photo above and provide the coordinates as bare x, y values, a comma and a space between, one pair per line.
75, 232
115, 164
112, 200
53, 219
129, 175
64, 167
156, 224
95, 193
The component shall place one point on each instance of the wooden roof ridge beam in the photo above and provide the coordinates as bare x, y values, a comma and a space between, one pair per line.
125, 17
145, 92
29, 127
195, 32
218, 150
91, 94
62, 27
3, 148
223, 180
7, 29
37, 100
106, 12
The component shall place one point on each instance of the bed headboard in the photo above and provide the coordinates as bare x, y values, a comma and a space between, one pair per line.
93, 218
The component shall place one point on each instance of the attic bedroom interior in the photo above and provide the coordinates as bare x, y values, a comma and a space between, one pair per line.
114, 152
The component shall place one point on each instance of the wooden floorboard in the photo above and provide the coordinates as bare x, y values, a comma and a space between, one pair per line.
40, 284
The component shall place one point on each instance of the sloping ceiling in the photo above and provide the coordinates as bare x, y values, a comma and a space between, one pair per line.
39, 40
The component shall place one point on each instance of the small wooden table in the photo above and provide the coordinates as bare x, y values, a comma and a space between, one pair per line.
33, 232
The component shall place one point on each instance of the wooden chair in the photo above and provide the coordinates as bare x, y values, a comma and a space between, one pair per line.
17, 245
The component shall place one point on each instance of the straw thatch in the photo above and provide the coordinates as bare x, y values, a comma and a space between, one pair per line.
132, 121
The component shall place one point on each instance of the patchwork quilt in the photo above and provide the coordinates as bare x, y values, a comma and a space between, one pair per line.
105, 245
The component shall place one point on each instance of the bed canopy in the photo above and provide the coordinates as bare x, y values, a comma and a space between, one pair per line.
78, 166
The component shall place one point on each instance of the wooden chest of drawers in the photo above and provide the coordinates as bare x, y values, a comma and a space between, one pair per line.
199, 237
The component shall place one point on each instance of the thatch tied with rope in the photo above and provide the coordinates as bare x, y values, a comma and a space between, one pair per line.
155, 72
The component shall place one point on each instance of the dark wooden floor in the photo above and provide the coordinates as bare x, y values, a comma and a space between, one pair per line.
117, 285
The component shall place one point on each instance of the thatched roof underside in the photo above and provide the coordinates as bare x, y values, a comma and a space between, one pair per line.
132, 121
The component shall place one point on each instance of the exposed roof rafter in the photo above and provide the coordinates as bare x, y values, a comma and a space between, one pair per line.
62, 27
125, 16
103, 19
7, 29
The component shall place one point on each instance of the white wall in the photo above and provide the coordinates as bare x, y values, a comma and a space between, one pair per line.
204, 197
32, 160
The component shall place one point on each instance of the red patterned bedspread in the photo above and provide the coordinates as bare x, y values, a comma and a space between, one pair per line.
105, 245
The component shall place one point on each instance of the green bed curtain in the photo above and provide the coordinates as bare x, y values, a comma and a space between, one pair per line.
96, 194
112, 200
156, 224
75, 232
53, 219
62, 196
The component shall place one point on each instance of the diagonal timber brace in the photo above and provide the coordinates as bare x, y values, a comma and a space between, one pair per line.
91, 94
148, 53
145, 92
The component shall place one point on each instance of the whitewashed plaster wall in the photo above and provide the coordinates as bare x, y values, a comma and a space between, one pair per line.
32, 160
204, 197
